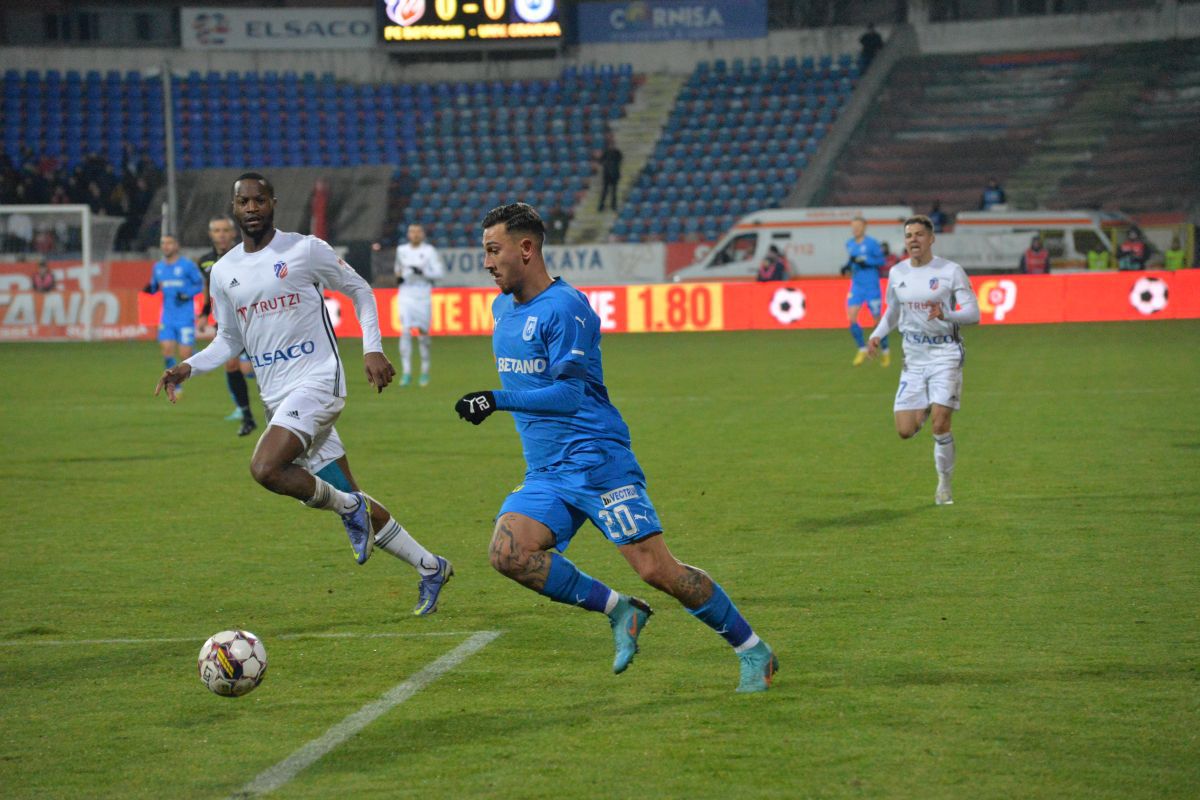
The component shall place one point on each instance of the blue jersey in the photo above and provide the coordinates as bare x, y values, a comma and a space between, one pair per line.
555, 335
864, 278
181, 277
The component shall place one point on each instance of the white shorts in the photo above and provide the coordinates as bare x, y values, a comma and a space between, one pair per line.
922, 385
310, 413
415, 312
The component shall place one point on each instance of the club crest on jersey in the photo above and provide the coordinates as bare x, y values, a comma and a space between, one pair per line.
280, 269
530, 327
933, 283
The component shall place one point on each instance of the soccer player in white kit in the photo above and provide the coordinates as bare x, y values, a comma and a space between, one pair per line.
268, 299
928, 298
418, 265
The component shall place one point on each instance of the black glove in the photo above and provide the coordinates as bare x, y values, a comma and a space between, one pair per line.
417, 271
399, 280
476, 406
860, 260
150, 288
845, 270
204, 312
183, 297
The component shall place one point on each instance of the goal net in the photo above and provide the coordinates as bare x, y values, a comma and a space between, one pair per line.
57, 277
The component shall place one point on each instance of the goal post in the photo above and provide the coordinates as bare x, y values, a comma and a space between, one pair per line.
86, 300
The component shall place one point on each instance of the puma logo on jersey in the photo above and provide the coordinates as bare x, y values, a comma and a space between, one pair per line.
580, 321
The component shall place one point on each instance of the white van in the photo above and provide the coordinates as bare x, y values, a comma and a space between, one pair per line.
812, 239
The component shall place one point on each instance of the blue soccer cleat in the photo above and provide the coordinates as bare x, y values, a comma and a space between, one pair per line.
759, 666
627, 620
431, 586
360, 529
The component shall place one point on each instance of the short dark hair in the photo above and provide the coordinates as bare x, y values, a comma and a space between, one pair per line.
220, 218
920, 219
256, 176
520, 217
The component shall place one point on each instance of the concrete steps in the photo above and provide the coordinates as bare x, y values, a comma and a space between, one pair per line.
635, 134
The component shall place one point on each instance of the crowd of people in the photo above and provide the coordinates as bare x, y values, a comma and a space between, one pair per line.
123, 190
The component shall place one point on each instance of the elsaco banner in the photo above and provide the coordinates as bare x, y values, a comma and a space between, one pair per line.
277, 28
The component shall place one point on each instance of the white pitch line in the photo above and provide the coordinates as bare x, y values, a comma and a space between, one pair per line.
67, 642
276, 776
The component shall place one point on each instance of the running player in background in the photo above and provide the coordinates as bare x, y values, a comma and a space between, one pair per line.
928, 298
223, 238
579, 466
866, 258
267, 293
179, 280
418, 265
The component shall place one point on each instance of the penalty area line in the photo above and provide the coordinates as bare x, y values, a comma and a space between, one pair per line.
274, 777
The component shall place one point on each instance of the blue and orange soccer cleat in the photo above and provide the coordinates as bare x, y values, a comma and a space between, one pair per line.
627, 620
758, 667
431, 586
360, 529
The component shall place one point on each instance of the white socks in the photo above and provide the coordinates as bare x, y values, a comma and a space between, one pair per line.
943, 456
397, 541
327, 497
424, 345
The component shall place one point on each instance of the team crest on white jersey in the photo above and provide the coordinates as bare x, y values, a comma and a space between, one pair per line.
530, 327
280, 269
933, 284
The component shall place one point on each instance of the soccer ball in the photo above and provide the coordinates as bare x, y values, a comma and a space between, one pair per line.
232, 663
1149, 295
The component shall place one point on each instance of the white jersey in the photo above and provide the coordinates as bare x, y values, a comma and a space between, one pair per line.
423, 257
272, 305
911, 292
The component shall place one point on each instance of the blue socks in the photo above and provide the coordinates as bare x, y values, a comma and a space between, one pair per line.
883, 343
169, 361
566, 584
857, 332
720, 614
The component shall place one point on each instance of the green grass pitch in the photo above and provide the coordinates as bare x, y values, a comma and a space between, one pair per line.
1039, 639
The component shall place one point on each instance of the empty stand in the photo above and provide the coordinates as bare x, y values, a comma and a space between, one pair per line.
736, 141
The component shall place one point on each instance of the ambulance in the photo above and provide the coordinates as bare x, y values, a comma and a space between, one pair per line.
814, 239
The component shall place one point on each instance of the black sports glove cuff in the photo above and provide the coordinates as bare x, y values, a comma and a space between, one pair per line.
476, 406
148, 288
204, 312
399, 280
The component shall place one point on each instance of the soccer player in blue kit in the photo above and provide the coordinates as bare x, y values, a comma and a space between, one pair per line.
179, 280
866, 257
577, 451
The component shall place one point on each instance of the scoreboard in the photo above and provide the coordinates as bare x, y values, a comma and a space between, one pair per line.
462, 24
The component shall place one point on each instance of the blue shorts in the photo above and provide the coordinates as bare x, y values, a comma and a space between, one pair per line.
182, 332
871, 301
602, 483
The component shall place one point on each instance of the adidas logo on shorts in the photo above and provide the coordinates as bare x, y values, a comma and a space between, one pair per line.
294, 414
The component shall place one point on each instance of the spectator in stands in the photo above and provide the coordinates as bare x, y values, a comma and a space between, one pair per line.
937, 217
1174, 258
871, 43
1035, 260
890, 259
610, 171
556, 225
993, 195
43, 279
774, 266
1097, 257
1133, 252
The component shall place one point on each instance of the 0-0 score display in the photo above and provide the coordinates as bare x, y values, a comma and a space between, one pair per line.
432, 23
